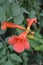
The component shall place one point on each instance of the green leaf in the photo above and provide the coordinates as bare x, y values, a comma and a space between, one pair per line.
25, 54
41, 14
1, 45
16, 57
9, 63
2, 14
11, 47
2, 52
18, 19
37, 48
32, 14
33, 43
6, 7
41, 47
15, 9
19, 31
3, 59
2, 1
38, 35
41, 22
23, 10
2, 32
6, 39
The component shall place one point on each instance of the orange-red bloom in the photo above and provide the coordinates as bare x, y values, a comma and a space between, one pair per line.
19, 43
31, 21
6, 25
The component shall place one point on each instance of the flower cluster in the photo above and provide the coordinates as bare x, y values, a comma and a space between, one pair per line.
19, 43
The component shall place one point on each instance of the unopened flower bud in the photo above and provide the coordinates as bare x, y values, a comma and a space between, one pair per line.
32, 32
30, 36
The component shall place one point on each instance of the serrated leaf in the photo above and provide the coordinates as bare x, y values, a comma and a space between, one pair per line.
18, 19
16, 57
2, 14
1, 45
15, 9
9, 63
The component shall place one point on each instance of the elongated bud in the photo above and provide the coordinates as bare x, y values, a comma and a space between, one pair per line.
32, 32
30, 36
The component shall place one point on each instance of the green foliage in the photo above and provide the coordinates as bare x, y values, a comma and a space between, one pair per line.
2, 1
2, 32
1, 45
18, 19
17, 11
32, 14
2, 52
2, 14
15, 57
8, 63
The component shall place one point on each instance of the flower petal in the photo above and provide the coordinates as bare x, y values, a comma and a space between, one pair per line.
3, 26
19, 47
12, 40
27, 45
11, 25
23, 35
31, 21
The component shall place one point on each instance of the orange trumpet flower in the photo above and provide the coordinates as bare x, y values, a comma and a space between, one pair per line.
31, 21
19, 43
6, 25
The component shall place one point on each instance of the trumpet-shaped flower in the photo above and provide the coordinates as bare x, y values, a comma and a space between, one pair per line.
31, 21
6, 25
19, 43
